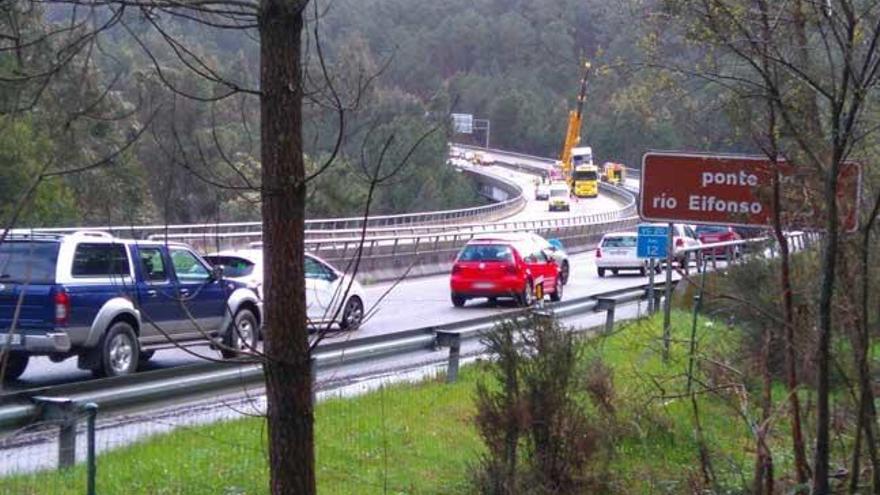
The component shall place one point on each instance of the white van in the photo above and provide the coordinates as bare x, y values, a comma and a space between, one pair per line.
559, 196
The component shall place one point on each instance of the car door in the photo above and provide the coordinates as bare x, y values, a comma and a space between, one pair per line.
156, 295
542, 269
202, 299
321, 293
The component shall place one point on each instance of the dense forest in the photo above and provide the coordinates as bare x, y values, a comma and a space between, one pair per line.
397, 67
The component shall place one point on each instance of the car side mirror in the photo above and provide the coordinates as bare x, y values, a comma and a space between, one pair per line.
216, 272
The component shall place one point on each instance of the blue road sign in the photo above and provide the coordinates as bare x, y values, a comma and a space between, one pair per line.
652, 241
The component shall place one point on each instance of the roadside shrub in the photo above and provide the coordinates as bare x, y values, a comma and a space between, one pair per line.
533, 416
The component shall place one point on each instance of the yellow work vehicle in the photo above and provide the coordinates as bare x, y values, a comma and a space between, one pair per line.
614, 173
585, 180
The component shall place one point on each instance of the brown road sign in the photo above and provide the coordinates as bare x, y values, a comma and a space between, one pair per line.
738, 190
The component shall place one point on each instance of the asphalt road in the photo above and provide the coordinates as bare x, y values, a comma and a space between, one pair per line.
413, 303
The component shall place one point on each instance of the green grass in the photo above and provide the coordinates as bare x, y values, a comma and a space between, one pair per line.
419, 438
408, 438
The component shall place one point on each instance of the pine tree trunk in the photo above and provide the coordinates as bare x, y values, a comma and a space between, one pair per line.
287, 368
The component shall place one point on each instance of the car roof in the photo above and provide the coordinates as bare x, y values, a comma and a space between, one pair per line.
501, 237
621, 234
249, 254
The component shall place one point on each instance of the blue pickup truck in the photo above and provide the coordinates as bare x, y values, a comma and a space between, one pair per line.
113, 302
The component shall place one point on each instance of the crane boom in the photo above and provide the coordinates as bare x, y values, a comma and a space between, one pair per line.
572, 134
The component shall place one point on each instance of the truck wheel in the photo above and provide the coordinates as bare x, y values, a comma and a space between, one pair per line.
241, 336
118, 351
16, 362
458, 301
564, 275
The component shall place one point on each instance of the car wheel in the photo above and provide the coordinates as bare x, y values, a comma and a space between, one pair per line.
145, 357
657, 268
241, 335
643, 271
556, 296
614, 271
458, 301
601, 272
527, 297
493, 300
353, 314
119, 351
16, 362
563, 276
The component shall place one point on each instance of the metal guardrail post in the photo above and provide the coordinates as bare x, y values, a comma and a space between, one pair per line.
92, 410
65, 412
453, 341
608, 305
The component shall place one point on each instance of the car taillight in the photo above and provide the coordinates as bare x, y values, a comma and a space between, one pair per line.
598, 252
456, 269
511, 269
62, 308
679, 242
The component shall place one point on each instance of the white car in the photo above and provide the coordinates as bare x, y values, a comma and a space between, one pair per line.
325, 286
617, 251
560, 196
683, 237
542, 192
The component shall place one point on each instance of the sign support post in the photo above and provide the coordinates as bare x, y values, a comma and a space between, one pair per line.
667, 303
651, 266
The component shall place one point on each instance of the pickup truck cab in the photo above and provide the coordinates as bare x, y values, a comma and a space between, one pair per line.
113, 302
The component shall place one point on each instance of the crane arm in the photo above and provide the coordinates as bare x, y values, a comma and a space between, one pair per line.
572, 133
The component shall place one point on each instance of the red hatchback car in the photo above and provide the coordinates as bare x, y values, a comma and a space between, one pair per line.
504, 266
709, 234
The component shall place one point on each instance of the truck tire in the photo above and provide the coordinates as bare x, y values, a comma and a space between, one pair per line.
118, 351
16, 362
241, 336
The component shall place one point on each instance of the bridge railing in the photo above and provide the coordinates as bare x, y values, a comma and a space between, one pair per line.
490, 212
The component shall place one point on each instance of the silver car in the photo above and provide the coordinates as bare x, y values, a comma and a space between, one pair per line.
325, 286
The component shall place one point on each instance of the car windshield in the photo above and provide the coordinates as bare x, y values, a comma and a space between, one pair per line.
233, 266
486, 252
711, 229
28, 262
619, 242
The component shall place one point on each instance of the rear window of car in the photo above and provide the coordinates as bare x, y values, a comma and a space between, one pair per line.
233, 266
711, 229
558, 192
28, 262
100, 260
486, 252
619, 242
